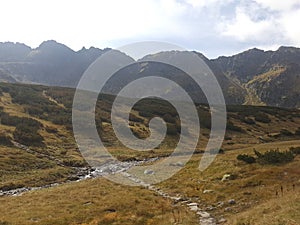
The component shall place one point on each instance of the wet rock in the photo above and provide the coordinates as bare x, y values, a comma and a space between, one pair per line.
193, 206
207, 221
179, 164
149, 172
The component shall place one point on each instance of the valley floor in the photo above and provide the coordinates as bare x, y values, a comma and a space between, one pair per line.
251, 196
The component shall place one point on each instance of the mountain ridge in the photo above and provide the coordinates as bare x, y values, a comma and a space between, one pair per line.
254, 77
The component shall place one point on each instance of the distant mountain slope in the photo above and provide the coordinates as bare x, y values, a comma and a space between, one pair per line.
269, 78
253, 77
51, 63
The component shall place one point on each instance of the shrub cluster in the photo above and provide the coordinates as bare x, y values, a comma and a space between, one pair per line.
295, 150
28, 135
5, 140
285, 132
262, 117
26, 131
246, 158
232, 127
248, 120
274, 156
31, 97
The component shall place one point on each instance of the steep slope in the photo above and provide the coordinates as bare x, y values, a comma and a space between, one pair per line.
51, 63
278, 87
269, 78
243, 66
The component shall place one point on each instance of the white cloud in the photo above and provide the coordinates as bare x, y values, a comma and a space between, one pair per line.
244, 28
290, 23
204, 25
279, 5
266, 22
206, 3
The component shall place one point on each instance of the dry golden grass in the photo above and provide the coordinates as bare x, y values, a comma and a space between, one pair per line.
96, 201
277, 211
19, 168
250, 186
265, 77
101, 202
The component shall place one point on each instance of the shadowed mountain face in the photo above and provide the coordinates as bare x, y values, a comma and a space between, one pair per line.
254, 77
51, 63
269, 78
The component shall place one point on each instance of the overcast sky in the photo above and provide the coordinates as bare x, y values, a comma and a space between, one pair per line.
213, 27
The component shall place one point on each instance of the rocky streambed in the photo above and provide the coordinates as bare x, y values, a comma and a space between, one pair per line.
114, 167
83, 173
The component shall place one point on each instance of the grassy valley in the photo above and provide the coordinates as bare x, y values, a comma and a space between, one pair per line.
37, 148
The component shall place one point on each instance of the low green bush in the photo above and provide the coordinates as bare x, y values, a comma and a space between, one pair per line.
274, 156
5, 140
295, 150
285, 132
246, 158
262, 117
248, 120
232, 127
297, 132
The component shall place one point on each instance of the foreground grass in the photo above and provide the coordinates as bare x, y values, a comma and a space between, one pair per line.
253, 187
281, 210
96, 201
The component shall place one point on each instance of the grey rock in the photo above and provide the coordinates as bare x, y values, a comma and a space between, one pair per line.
203, 214
222, 220
228, 209
226, 177
149, 172
231, 201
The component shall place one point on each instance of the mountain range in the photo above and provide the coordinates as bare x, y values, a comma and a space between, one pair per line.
253, 77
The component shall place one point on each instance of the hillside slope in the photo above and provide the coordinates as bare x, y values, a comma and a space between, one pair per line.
37, 148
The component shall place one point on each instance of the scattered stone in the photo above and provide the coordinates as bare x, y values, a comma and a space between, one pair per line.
232, 202
179, 164
207, 221
226, 177
220, 204
149, 172
176, 199
87, 203
227, 209
193, 206
203, 214
110, 210
210, 208
222, 220
207, 191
